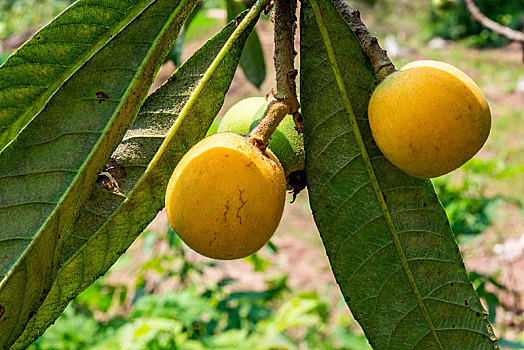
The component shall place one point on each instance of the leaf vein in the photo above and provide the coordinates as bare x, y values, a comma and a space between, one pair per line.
59, 136
38, 172
335, 212
12, 205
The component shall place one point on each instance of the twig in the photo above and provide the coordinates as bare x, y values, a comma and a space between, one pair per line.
286, 92
380, 61
494, 26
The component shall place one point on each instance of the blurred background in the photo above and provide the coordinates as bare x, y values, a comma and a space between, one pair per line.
161, 295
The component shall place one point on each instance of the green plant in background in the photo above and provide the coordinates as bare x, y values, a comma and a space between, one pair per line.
469, 208
28, 14
450, 19
200, 25
200, 316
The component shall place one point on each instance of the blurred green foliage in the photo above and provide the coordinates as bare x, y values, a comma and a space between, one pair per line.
196, 314
480, 281
17, 16
451, 20
469, 208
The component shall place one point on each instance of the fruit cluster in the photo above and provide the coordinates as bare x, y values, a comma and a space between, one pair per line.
226, 196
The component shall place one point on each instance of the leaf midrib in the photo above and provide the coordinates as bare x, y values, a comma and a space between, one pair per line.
369, 167
39, 103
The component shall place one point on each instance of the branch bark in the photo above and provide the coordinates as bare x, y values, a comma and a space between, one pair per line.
494, 26
286, 92
380, 61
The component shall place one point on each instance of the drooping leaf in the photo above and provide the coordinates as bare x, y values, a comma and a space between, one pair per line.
49, 168
386, 234
37, 69
252, 60
176, 53
171, 120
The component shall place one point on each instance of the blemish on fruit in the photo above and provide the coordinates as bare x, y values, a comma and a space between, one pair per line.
102, 96
213, 240
243, 203
226, 211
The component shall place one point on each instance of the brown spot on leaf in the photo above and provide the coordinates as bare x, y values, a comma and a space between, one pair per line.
102, 96
113, 176
2, 311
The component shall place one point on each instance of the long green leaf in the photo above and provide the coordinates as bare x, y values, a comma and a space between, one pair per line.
386, 234
49, 168
171, 120
37, 69
252, 60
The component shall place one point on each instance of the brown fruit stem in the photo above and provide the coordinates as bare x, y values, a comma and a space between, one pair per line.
286, 91
380, 61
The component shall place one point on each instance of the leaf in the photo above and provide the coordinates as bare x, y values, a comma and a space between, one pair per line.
37, 69
387, 237
176, 53
49, 169
252, 59
171, 120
